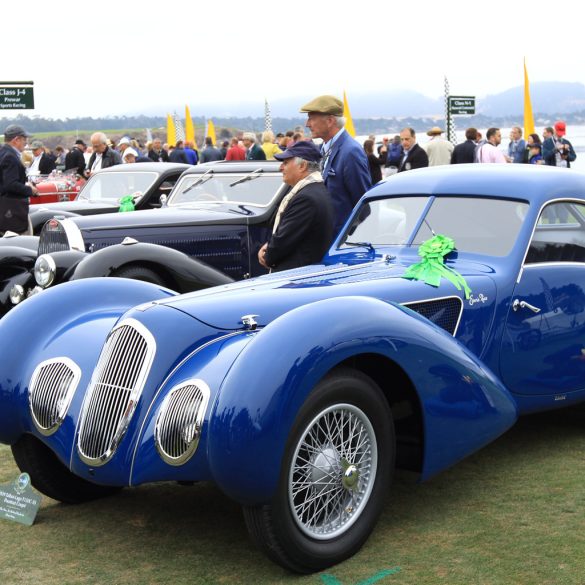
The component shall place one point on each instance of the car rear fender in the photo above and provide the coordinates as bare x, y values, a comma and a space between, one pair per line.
464, 406
177, 270
65, 321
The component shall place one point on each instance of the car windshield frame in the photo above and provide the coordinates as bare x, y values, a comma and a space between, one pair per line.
415, 218
109, 179
225, 180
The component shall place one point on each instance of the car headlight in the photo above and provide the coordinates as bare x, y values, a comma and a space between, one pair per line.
45, 270
16, 294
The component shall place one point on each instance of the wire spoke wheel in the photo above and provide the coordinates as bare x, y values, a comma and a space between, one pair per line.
333, 471
336, 471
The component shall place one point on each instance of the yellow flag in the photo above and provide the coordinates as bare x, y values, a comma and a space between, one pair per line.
528, 116
347, 115
211, 131
189, 128
171, 136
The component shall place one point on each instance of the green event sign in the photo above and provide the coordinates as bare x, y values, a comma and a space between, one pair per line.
461, 104
18, 502
16, 95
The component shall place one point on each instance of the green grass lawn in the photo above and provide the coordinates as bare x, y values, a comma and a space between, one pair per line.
512, 514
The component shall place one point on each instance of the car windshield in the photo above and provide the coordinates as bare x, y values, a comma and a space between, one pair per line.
213, 188
111, 187
477, 224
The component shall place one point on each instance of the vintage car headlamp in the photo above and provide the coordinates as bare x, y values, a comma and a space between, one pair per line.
16, 294
45, 270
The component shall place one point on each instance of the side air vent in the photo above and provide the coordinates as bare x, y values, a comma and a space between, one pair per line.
444, 312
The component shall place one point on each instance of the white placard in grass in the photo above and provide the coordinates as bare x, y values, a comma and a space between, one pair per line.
18, 502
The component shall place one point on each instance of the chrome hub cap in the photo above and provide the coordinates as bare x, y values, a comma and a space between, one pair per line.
333, 471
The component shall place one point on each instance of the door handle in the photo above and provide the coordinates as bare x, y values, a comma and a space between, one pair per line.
524, 305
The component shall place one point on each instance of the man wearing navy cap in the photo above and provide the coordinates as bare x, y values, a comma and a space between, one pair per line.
303, 227
14, 188
345, 169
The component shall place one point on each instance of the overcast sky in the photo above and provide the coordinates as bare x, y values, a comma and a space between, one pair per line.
100, 58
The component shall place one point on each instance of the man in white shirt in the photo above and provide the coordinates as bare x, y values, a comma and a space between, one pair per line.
489, 152
103, 156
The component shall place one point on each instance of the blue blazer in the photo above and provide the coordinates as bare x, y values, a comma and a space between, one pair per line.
347, 177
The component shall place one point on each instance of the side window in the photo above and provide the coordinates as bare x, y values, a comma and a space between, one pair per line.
559, 235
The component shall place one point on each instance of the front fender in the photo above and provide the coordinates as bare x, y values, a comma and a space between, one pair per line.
64, 321
179, 271
16, 265
262, 393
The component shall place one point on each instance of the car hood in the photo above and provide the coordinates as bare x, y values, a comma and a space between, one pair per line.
270, 296
79, 206
168, 216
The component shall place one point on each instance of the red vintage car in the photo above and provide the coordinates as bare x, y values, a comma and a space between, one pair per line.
57, 186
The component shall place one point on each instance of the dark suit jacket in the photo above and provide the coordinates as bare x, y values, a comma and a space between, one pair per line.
463, 153
46, 164
417, 159
163, 155
178, 155
14, 193
305, 230
110, 158
255, 153
74, 159
347, 177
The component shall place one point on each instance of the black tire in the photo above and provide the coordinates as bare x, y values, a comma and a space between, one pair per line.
296, 534
139, 273
51, 477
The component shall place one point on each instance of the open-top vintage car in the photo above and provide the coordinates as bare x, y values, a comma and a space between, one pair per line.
452, 301
58, 186
144, 182
207, 233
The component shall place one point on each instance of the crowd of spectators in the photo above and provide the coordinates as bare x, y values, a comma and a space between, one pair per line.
402, 153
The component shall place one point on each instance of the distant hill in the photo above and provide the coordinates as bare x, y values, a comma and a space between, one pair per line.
548, 97
373, 113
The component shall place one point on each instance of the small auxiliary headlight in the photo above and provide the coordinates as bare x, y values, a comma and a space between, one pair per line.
45, 270
16, 294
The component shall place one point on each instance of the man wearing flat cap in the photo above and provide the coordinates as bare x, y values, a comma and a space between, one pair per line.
438, 149
42, 163
344, 164
14, 188
303, 227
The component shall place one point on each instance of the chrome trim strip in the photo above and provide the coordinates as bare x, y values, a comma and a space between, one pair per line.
73, 234
523, 263
440, 299
163, 383
180, 417
242, 284
56, 399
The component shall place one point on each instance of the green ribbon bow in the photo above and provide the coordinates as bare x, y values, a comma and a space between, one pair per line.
431, 267
127, 203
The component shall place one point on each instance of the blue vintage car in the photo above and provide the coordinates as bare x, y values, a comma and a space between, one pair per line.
452, 302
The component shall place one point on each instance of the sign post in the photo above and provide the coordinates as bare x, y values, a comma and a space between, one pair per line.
16, 95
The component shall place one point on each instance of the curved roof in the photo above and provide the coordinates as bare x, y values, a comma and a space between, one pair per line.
534, 183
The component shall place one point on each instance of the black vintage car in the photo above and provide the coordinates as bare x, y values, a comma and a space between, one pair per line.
145, 182
207, 233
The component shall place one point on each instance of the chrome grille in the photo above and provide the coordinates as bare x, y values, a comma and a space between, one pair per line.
178, 426
51, 389
444, 312
53, 238
114, 390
